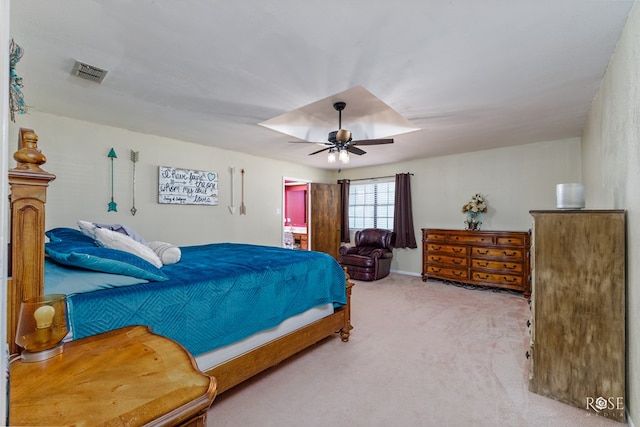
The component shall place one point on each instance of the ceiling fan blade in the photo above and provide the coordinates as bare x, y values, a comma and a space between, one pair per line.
356, 150
320, 151
324, 144
312, 142
373, 141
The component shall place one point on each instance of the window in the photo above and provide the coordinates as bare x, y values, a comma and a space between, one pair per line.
371, 203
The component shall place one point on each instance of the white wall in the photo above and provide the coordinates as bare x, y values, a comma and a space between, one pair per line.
611, 168
77, 154
514, 180
4, 194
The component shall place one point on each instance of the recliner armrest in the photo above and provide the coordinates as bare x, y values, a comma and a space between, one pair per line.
345, 250
381, 253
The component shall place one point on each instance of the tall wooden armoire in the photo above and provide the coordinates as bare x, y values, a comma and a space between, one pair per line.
578, 309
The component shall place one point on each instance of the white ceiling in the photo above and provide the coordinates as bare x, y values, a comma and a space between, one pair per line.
470, 74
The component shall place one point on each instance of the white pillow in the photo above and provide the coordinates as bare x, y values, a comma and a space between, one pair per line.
115, 240
87, 228
168, 253
123, 229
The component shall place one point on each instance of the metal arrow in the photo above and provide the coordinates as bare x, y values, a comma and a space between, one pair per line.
113, 206
243, 208
232, 208
135, 156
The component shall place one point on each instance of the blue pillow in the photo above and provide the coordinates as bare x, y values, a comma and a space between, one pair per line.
61, 279
61, 234
105, 260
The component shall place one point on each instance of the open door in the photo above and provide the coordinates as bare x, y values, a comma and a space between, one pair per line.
324, 218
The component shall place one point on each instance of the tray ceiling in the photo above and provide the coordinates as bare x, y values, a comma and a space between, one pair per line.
467, 75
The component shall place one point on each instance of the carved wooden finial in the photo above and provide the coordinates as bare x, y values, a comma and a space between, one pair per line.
28, 156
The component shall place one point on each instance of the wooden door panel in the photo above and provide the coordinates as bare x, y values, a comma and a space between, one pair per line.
325, 218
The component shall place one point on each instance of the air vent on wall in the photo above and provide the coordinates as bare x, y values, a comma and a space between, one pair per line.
88, 72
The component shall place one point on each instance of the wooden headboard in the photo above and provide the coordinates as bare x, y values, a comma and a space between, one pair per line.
28, 184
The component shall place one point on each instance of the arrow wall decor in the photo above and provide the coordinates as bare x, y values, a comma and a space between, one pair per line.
135, 156
243, 208
232, 208
112, 204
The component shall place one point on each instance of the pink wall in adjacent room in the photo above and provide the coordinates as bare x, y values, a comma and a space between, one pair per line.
296, 205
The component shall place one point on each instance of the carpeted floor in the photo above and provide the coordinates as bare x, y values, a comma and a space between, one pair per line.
420, 354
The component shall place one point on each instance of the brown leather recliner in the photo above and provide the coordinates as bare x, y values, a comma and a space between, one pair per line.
370, 258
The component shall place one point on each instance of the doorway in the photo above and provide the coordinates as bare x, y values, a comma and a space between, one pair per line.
295, 213
311, 216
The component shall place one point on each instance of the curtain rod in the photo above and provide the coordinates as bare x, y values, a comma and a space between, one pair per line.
370, 179
381, 177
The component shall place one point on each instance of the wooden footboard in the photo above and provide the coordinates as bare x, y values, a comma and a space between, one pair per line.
245, 366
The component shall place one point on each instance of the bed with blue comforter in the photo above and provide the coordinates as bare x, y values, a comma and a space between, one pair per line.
208, 296
215, 295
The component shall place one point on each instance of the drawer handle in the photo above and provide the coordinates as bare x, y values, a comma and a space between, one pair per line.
509, 254
510, 267
486, 276
483, 253
457, 261
437, 248
435, 270
458, 273
457, 250
436, 258
483, 264
509, 279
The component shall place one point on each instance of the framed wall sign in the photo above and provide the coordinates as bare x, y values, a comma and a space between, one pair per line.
187, 187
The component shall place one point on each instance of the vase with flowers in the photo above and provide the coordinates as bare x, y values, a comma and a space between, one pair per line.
474, 210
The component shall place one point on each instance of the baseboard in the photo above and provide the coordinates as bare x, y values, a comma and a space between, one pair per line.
406, 273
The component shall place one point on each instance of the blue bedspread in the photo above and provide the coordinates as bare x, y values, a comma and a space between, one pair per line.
217, 294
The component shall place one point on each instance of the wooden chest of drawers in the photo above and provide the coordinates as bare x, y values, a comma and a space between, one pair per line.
498, 259
578, 351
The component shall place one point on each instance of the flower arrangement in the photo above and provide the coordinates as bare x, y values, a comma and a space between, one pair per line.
475, 205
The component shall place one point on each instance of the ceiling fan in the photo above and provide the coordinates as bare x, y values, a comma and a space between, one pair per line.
340, 141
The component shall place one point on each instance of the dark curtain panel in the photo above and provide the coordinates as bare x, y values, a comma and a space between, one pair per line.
402, 215
344, 210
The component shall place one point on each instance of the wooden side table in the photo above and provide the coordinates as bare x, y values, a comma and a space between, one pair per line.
126, 377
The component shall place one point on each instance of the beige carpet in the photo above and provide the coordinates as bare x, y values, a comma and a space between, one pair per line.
420, 354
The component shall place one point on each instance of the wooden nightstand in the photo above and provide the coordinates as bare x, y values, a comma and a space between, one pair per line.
126, 377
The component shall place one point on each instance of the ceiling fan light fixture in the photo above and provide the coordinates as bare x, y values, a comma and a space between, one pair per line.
331, 158
343, 156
